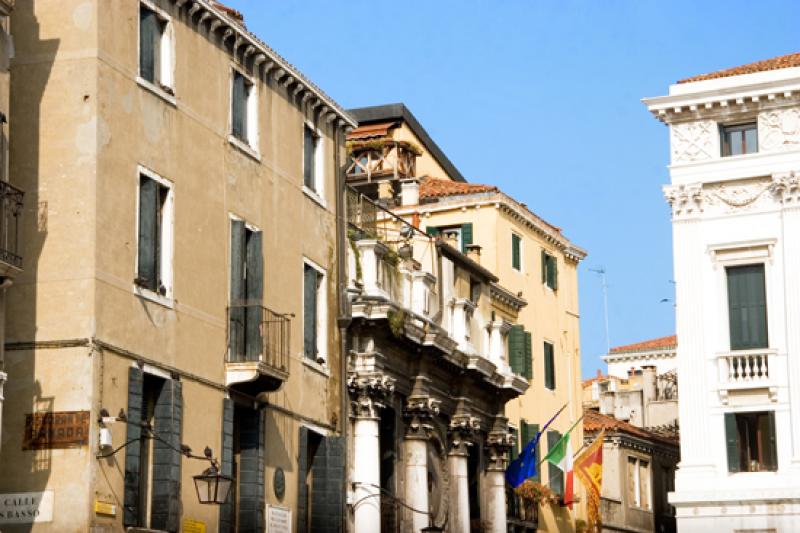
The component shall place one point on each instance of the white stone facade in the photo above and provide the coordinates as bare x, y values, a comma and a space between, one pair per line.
729, 211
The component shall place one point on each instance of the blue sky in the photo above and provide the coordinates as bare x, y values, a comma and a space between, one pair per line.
543, 100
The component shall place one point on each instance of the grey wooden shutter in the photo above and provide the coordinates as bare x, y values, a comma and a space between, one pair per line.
147, 275
732, 442
528, 357
771, 452
310, 276
515, 258
226, 521
133, 450
236, 311
516, 349
148, 34
326, 497
309, 142
254, 295
239, 107
533, 430
549, 367
166, 482
466, 236
554, 473
302, 474
251, 471
747, 307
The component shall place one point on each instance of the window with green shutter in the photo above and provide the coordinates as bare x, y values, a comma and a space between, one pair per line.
153, 270
554, 474
516, 349
466, 236
245, 313
312, 282
747, 307
750, 442
310, 146
516, 257
549, 270
241, 93
528, 358
549, 367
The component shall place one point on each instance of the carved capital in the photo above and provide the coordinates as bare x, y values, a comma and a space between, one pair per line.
497, 445
369, 393
685, 200
462, 431
786, 187
419, 412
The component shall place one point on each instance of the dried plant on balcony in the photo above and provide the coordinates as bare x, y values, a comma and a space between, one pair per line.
537, 493
397, 320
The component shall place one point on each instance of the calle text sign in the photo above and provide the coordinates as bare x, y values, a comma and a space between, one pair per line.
26, 507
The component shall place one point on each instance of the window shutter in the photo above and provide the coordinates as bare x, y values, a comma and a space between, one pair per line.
516, 349
524, 435
747, 307
326, 496
148, 33
555, 476
466, 236
553, 273
732, 442
533, 430
148, 234
254, 280
514, 453
544, 267
239, 107
515, 258
251, 471
133, 450
433, 231
528, 357
310, 312
302, 474
236, 313
549, 367
308, 158
226, 520
165, 514
771, 453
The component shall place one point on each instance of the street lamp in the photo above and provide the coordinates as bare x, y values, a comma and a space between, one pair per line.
212, 486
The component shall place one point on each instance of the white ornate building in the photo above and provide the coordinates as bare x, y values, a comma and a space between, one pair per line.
735, 198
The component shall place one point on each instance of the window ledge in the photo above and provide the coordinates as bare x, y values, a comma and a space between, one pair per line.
311, 193
156, 90
244, 147
154, 297
317, 367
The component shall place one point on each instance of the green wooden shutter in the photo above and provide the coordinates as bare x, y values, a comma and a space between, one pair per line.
554, 473
148, 36
433, 231
528, 357
771, 453
732, 442
466, 236
133, 450
239, 107
747, 307
166, 482
544, 266
533, 429
549, 367
226, 521
236, 313
515, 252
514, 452
327, 503
516, 349
552, 273
309, 142
147, 275
310, 283
254, 280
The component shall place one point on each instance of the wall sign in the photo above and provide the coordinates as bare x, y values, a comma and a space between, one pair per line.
26, 507
279, 519
279, 483
59, 429
193, 526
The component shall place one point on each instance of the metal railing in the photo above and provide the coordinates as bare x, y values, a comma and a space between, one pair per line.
258, 334
10, 213
744, 367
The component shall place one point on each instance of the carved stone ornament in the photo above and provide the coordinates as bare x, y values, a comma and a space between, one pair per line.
497, 444
786, 187
684, 199
692, 141
419, 412
369, 393
462, 431
779, 130
740, 196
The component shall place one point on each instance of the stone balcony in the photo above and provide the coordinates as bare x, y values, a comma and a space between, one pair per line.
747, 372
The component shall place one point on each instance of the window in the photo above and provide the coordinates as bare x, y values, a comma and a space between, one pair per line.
155, 48
314, 313
519, 351
474, 290
516, 256
154, 259
747, 307
554, 473
312, 159
750, 439
638, 483
739, 139
549, 270
245, 312
244, 120
549, 367
463, 234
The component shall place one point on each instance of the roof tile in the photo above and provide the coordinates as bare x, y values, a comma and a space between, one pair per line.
594, 422
439, 188
787, 61
653, 344
369, 131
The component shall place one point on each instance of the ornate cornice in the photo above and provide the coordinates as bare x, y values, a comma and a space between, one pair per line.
506, 297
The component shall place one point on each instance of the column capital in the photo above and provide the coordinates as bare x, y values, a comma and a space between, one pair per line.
462, 430
369, 393
785, 186
419, 412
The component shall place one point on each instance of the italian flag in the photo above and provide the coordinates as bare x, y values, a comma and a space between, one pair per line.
561, 456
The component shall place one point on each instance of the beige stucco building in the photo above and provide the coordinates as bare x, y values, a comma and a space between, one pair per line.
181, 269
531, 258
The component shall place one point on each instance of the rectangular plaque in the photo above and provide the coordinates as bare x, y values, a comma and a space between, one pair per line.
58, 429
105, 508
26, 507
279, 519
193, 526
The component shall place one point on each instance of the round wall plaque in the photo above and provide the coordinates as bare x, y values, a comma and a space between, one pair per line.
279, 483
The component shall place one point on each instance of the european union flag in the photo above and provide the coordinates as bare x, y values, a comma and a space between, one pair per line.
524, 466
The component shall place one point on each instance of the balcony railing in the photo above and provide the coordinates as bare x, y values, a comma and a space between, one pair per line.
744, 367
259, 335
10, 213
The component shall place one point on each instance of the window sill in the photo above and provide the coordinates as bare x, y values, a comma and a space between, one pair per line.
156, 90
244, 147
154, 297
316, 367
311, 193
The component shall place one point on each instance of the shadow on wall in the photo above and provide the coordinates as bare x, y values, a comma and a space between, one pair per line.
29, 471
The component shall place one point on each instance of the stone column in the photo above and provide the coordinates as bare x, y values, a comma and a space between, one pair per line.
498, 443
369, 393
462, 430
419, 411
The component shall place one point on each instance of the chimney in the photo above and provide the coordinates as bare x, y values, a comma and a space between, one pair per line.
409, 191
648, 384
474, 252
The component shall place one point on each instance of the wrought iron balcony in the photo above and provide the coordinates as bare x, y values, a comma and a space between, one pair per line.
10, 213
258, 349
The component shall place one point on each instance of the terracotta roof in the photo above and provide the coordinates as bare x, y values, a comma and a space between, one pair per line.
439, 188
594, 422
653, 344
229, 11
787, 61
369, 131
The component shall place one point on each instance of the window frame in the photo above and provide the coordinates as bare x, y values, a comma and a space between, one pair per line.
249, 145
166, 243
321, 361
636, 490
549, 378
317, 192
164, 83
770, 441
517, 238
549, 264
728, 313
738, 127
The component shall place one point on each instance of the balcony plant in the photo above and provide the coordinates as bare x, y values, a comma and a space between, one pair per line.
537, 493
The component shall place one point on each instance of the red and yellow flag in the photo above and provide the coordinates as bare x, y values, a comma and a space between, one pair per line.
588, 466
